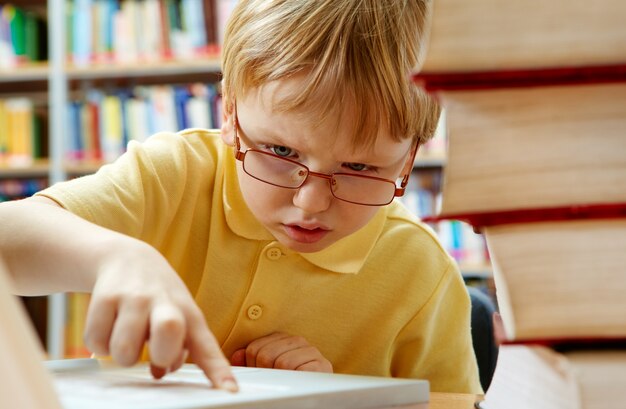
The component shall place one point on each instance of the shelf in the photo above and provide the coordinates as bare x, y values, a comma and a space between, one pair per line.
480, 271
79, 168
38, 168
41, 168
39, 71
429, 160
146, 69
25, 72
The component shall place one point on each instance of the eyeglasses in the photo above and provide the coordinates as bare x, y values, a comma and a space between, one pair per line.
283, 172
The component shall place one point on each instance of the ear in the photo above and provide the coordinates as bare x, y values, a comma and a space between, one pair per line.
228, 125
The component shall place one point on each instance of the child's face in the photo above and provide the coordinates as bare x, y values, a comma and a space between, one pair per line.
310, 218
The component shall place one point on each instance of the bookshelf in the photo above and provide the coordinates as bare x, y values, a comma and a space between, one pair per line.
30, 72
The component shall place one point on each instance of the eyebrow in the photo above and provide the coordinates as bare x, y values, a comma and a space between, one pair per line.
271, 136
265, 133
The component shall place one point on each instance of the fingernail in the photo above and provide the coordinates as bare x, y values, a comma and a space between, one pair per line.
229, 384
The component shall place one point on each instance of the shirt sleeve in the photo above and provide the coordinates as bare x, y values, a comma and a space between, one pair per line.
137, 194
443, 352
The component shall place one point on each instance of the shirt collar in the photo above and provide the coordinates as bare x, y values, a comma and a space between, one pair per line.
345, 256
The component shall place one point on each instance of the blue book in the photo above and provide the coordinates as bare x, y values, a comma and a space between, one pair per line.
82, 23
181, 96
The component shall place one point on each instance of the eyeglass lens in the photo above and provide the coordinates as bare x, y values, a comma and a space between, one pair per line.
285, 173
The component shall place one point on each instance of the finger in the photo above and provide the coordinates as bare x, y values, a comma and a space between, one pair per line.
99, 324
296, 357
130, 331
182, 358
316, 366
167, 334
159, 372
238, 358
206, 353
255, 347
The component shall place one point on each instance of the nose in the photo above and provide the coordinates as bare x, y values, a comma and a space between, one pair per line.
314, 196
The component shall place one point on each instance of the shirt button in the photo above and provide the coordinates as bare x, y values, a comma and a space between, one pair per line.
274, 253
255, 312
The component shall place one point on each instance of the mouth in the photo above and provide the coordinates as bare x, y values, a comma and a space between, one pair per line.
307, 235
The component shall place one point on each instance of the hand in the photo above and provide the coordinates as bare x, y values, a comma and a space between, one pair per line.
282, 351
499, 333
139, 298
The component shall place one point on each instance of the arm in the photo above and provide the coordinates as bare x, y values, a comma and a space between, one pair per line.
436, 344
136, 296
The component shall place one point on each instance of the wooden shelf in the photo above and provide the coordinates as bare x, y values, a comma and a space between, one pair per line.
145, 69
40, 71
41, 168
83, 167
429, 160
38, 168
483, 271
25, 72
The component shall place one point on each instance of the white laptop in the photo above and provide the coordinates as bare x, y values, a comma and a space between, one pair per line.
99, 384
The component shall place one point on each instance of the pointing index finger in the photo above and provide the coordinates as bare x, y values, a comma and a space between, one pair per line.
207, 354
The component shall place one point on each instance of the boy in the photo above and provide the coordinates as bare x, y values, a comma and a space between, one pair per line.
282, 234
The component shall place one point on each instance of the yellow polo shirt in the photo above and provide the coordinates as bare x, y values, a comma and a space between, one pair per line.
385, 301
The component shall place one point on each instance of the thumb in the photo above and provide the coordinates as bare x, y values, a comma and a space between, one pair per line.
238, 358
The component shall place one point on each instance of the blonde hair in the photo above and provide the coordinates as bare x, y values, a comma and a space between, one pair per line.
359, 51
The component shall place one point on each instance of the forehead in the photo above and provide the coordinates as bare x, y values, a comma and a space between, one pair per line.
261, 109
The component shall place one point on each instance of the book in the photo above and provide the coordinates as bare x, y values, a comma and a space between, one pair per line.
532, 376
485, 35
99, 384
111, 138
223, 9
18, 30
4, 135
77, 306
81, 32
24, 383
540, 147
19, 129
560, 280
210, 23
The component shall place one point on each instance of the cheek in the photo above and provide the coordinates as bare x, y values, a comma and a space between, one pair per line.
261, 198
353, 217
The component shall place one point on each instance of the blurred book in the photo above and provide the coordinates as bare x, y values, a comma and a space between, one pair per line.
534, 147
529, 376
484, 35
23, 381
560, 280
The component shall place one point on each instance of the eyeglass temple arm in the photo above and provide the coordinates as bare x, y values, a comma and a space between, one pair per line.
405, 179
239, 155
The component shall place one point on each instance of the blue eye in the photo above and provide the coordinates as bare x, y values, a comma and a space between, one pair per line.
281, 150
357, 167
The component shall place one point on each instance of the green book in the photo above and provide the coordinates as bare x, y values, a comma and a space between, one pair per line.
37, 137
31, 36
18, 30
